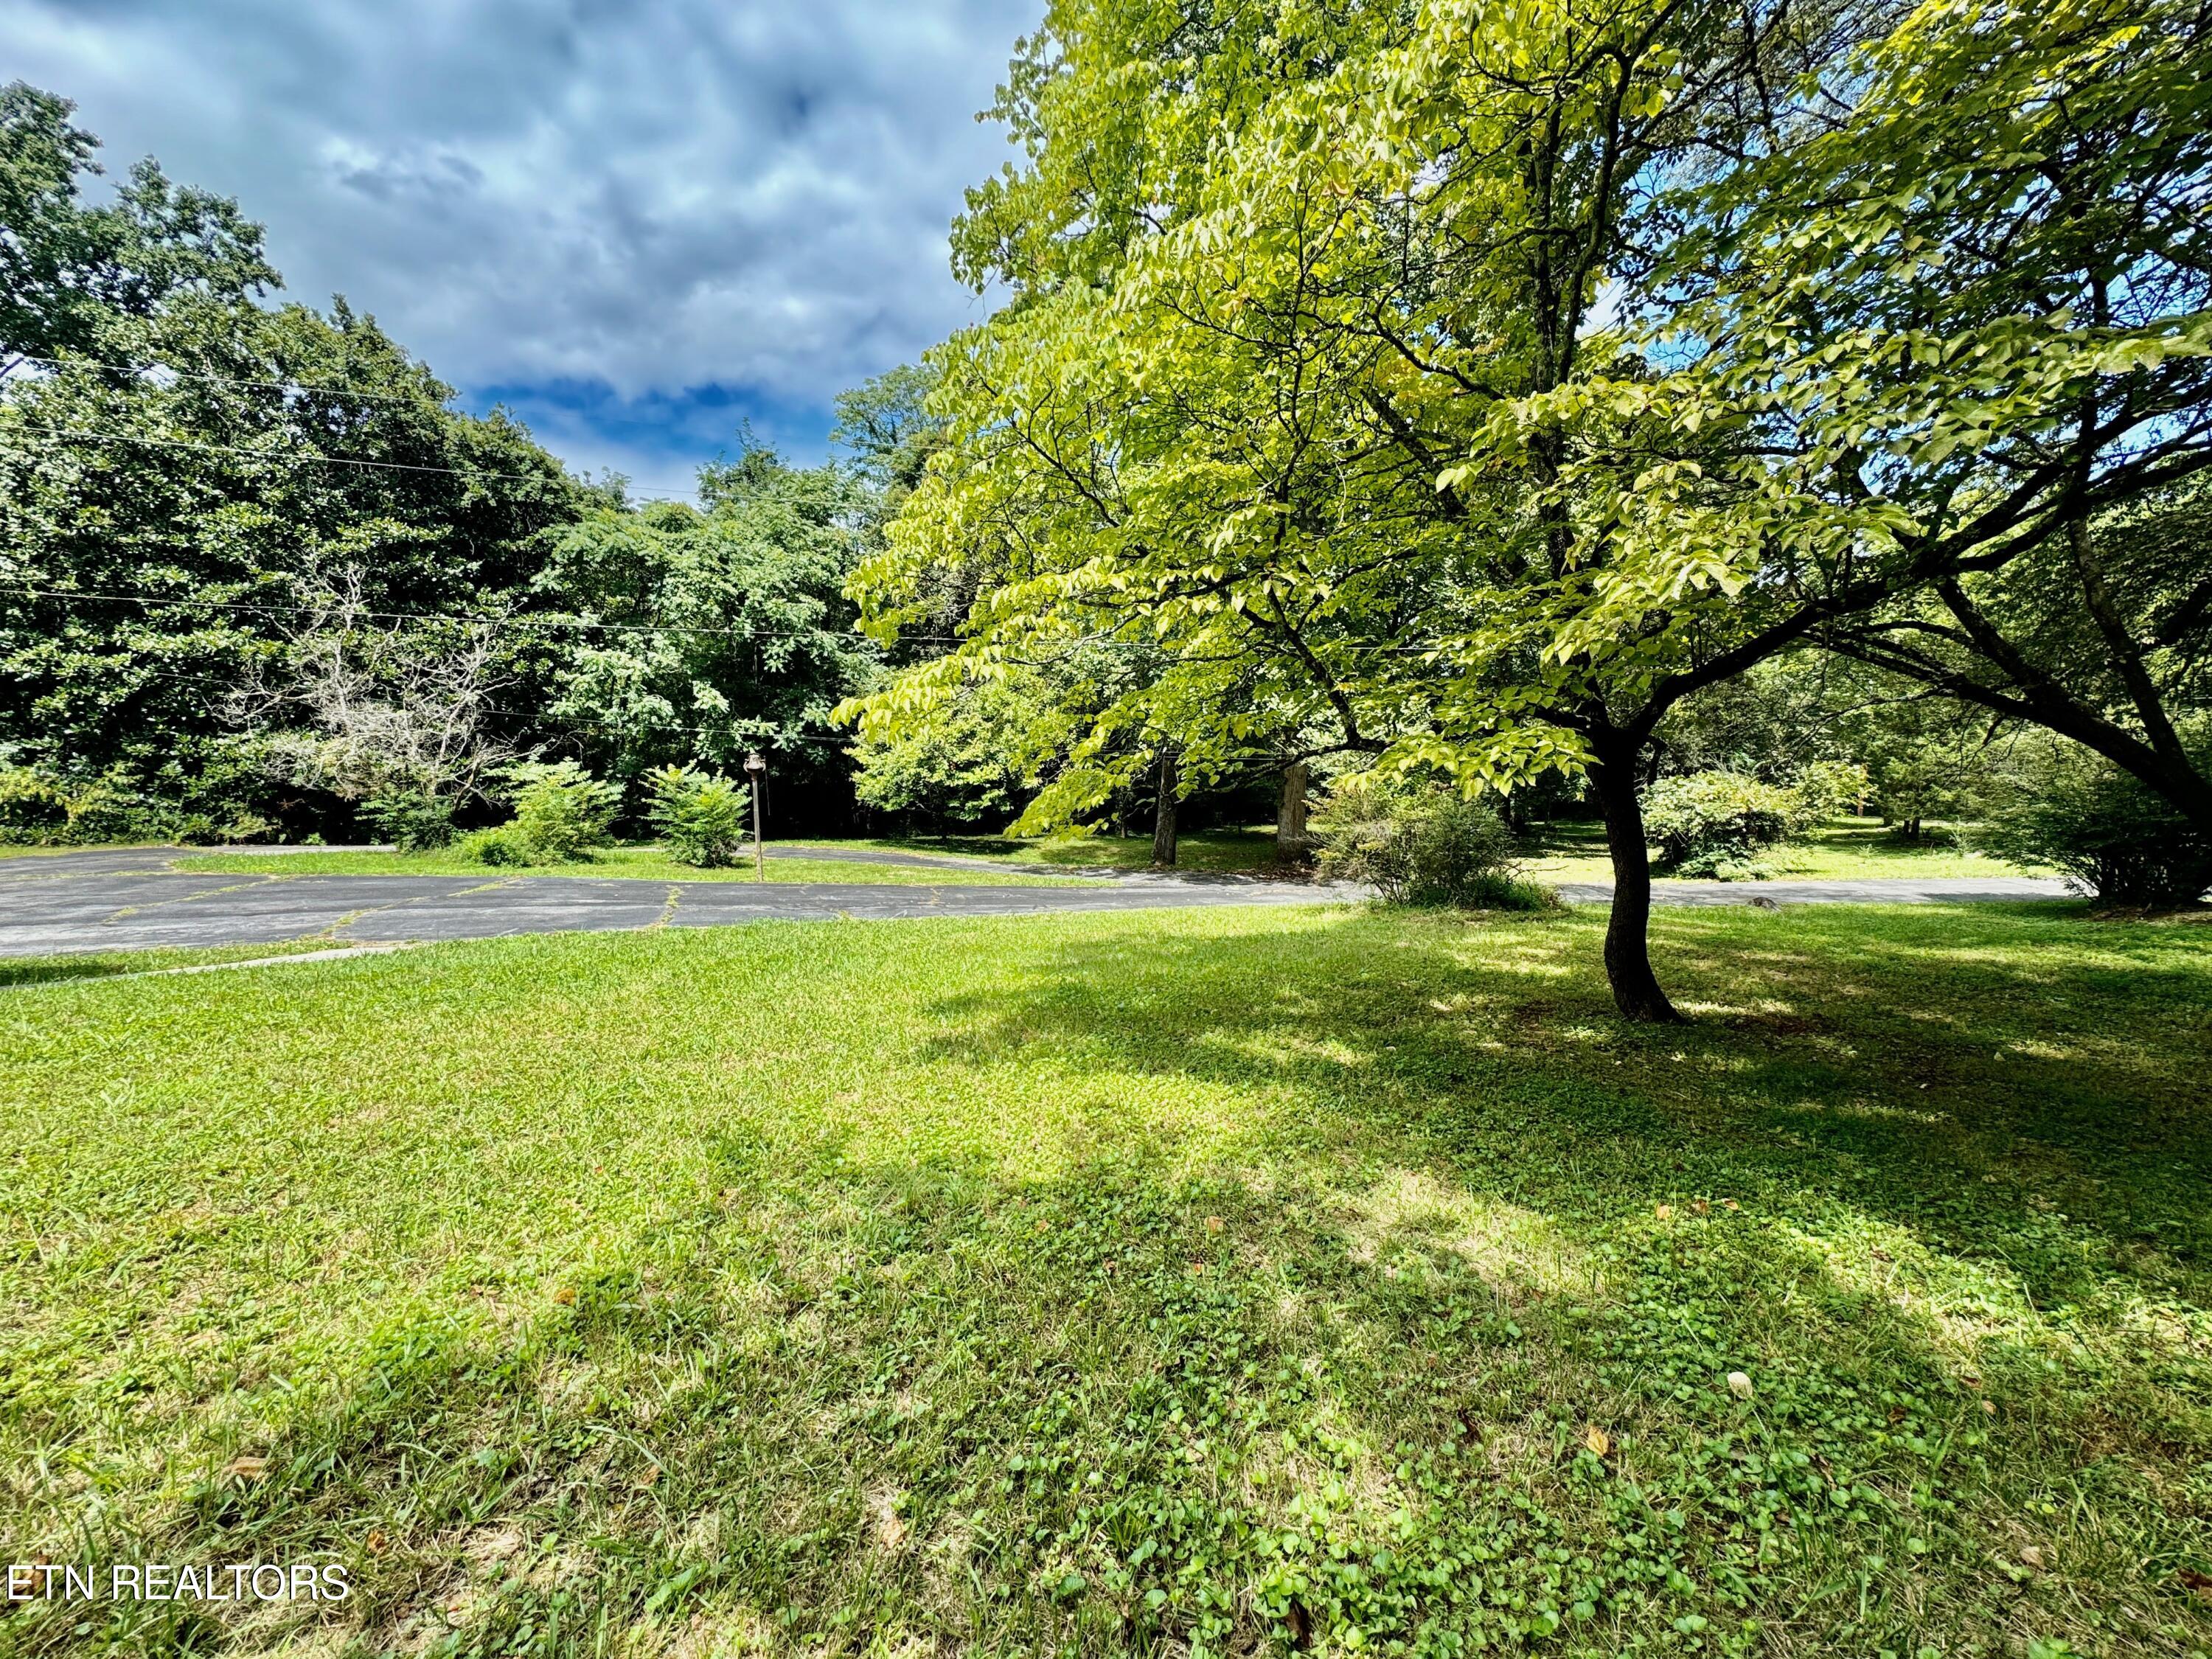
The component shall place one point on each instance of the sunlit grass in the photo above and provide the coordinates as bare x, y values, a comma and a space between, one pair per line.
1205, 852
1129, 1283
1849, 849
105, 964
646, 863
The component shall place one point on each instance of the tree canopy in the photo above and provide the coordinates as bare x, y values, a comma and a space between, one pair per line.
1476, 384
257, 568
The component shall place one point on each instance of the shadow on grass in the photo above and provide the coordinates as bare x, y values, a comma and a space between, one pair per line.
1342, 1372
1889, 1060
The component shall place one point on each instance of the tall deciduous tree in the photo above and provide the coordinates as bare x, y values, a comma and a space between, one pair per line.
1500, 377
709, 632
70, 273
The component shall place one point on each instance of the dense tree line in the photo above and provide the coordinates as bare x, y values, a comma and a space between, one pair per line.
258, 570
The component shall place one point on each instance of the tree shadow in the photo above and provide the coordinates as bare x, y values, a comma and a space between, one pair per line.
1331, 1358
1884, 1068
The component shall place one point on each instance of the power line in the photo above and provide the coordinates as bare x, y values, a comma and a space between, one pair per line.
524, 620
143, 370
296, 386
532, 620
299, 457
566, 722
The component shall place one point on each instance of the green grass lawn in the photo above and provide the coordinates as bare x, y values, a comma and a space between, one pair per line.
1162, 1283
106, 964
1851, 849
1210, 852
637, 863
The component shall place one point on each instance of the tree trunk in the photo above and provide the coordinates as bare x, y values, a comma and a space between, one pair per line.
1291, 816
1163, 823
1636, 990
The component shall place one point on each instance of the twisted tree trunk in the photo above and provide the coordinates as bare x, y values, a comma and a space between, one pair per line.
1636, 990
1291, 816
1164, 821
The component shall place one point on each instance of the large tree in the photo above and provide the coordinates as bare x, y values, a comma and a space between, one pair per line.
71, 273
707, 632
1507, 376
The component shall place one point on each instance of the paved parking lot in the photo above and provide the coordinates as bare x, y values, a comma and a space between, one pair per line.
132, 900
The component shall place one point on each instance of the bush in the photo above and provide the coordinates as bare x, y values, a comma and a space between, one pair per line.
1828, 789
1424, 846
194, 829
701, 816
2107, 833
32, 810
103, 812
413, 820
500, 846
1717, 824
560, 813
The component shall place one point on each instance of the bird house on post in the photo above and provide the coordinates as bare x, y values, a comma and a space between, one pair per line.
757, 775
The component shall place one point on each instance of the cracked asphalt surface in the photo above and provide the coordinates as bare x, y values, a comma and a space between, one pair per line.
131, 900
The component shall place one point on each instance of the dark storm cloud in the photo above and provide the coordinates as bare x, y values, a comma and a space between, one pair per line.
748, 197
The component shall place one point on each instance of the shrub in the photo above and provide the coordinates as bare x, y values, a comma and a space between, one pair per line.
500, 846
1422, 847
413, 820
1828, 789
32, 810
561, 812
103, 812
2106, 832
701, 816
1717, 824
194, 829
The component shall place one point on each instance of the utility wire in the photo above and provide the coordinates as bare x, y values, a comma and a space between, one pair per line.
526, 619
144, 370
639, 728
297, 458
531, 619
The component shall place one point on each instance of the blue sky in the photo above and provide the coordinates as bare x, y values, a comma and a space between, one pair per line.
637, 222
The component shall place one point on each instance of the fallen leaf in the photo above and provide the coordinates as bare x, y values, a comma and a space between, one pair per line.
2199, 1582
651, 1477
1664, 1212
1700, 1205
2033, 1556
1597, 1440
1739, 1385
247, 1468
891, 1529
565, 1297
1730, 1204
1213, 1224
1989, 1407
376, 1543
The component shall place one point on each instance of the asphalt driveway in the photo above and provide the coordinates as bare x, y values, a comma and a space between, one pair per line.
131, 900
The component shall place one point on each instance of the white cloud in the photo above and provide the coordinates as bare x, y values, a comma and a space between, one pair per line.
653, 197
